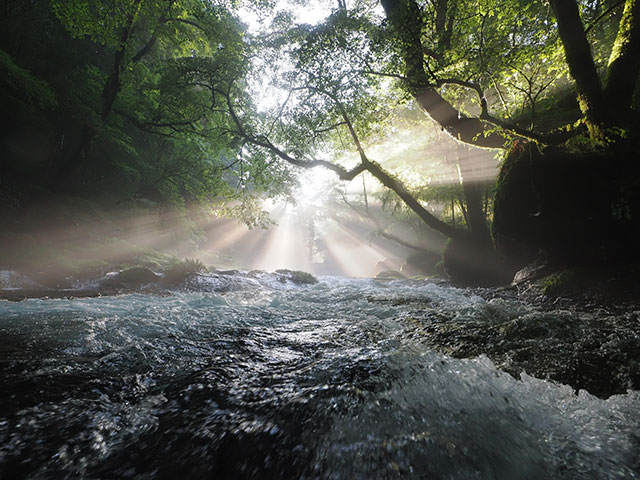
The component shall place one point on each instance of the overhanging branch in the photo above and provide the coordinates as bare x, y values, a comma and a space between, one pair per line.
548, 139
366, 164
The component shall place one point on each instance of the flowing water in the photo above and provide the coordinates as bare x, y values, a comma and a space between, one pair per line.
265, 379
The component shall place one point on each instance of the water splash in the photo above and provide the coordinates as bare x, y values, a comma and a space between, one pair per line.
259, 381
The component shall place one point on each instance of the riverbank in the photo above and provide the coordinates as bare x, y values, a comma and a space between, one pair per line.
585, 342
179, 276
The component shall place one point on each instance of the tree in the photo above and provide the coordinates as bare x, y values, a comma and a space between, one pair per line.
169, 92
114, 95
460, 61
130, 31
333, 83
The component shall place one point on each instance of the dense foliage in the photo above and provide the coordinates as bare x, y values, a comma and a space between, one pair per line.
522, 76
117, 99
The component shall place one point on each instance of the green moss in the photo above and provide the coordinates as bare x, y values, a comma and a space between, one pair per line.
516, 201
559, 201
580, 144
468, 261
560, 283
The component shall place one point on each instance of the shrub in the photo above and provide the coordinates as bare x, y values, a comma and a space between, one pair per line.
297, 276
180, 269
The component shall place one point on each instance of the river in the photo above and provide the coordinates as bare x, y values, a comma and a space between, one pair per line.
264, 379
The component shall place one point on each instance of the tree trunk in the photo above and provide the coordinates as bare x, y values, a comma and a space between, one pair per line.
473, 191
624, 62
109, 95
453, 213
405, 17
70, 158
445, 15
393, 184
113, 85
581, 65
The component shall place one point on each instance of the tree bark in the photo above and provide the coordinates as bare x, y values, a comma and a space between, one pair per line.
392, 183
581, 65
468, 130
365, 166
624, 61
109, 93
444, 23
113, 85
379, 229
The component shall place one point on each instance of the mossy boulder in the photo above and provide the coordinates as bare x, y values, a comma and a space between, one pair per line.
137, 276
390, 275
560, 283
516, 220
179, 270
559, 201
532, 272
387, 264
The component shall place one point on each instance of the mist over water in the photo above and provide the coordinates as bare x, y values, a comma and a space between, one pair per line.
274, 380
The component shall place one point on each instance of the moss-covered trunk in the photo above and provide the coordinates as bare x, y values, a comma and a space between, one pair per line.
579, 202
568, 207
624, 63
608, 106
581, 65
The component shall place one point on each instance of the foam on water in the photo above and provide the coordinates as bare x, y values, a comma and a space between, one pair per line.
324, 381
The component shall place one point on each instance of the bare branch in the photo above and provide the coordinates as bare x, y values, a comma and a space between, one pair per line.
374, 168
152, 126
501, 96
284, 104
263, 142
145, 49
602, 15
347, 121
380, 230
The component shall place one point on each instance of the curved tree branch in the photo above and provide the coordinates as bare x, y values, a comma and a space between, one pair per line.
602, 15
405, 18
548, 139
366, 164
347, 121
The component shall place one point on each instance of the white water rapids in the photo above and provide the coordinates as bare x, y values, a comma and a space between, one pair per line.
262, 379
